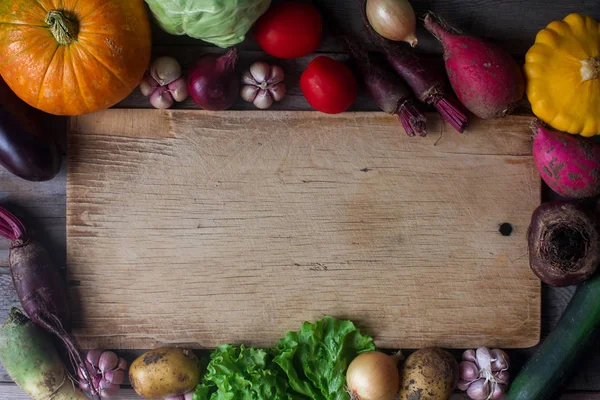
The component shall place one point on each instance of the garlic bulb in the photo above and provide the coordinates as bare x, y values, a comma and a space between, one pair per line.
263, 84
163, 83
484, 373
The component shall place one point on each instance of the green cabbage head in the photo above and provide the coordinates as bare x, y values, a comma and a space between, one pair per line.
221, 22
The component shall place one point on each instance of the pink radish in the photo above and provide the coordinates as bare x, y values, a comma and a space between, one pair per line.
570, 165
484, 77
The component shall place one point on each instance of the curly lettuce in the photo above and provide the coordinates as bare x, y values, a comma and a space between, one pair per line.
240, 373
307, 365
315, 359
221, 22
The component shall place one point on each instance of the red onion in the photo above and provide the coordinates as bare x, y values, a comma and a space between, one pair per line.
212, 81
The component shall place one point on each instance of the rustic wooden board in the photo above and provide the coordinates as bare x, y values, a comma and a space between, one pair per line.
209, 228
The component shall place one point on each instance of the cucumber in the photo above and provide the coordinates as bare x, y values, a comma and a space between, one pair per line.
555, 360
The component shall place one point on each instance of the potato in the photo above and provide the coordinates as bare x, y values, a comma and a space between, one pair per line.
428, 374
164, 372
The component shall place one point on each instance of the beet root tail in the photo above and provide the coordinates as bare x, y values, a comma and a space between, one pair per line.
55, 327
11, 227
453, 112
413, 121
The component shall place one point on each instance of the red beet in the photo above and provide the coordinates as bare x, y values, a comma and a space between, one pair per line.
564, 243
569, 164
426, 78
39, 286
486, 79
390, 93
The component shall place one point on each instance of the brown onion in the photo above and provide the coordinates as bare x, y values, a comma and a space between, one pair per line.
373, 376
393, 19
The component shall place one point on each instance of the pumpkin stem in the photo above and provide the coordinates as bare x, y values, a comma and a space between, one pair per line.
63, 26
590, 69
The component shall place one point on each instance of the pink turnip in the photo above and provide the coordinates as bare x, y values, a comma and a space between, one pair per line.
570, 165
485, 78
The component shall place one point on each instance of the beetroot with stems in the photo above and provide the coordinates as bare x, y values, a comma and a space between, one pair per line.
212, 81
564, 243
570, 165
428, 83
426, 78
486, 79
387, 89
39, 286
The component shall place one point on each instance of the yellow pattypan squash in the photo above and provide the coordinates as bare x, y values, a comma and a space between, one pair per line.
563, 75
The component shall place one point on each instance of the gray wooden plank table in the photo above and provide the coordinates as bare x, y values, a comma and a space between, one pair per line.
510, 23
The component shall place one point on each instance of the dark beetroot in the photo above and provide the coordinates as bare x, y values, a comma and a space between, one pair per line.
564, 243
39, 286
390, 93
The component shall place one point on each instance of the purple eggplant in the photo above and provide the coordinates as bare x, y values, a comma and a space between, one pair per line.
26, 149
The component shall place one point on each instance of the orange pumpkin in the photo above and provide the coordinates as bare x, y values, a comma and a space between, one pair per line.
71, 57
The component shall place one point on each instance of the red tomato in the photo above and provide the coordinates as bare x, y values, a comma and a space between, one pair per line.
328, 85
289, 30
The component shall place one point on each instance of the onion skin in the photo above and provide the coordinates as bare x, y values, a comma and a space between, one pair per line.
373, 376
393, 19
564, 243
213, 83
485, 78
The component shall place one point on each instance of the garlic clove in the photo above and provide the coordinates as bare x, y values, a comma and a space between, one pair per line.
148, 84
165, 70
260, 71
463, 385
249, 92
179, 89
278, 91
468, 371
263, 99
276, 75
478, 390
484, 359
469, 355
502, 376
499, 360
497, 392
162, 98
248, 79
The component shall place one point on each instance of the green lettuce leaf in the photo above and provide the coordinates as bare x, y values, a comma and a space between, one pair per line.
240, 373
306, 365
315, 359
221, 22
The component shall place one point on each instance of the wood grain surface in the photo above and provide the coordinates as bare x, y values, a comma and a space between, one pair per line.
208, 228
510, 23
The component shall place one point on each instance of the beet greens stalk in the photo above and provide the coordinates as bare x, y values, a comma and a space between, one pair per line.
428, 82
39, 286
387, 89
426, 79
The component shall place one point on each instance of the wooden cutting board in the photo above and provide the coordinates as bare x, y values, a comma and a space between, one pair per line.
197, 228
